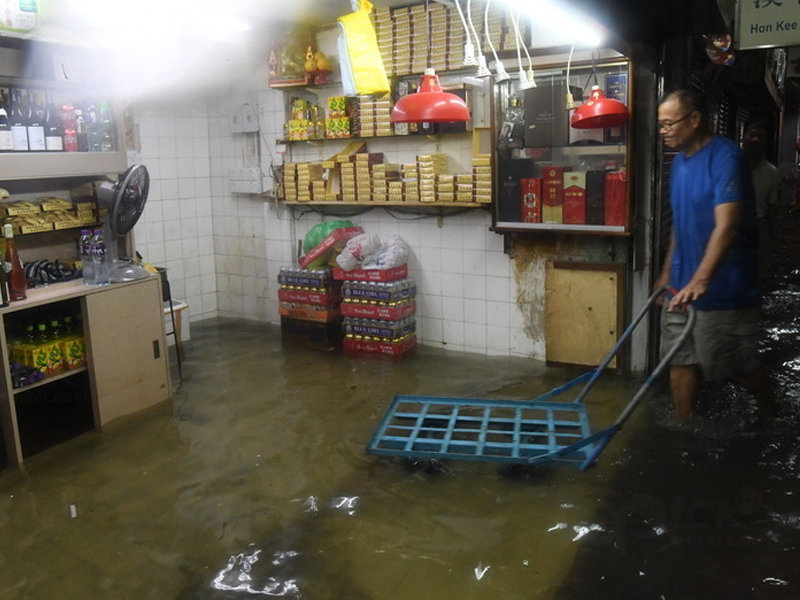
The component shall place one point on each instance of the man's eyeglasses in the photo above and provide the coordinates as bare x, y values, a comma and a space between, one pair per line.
670, 125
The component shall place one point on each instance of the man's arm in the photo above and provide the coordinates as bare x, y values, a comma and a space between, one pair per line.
726, 219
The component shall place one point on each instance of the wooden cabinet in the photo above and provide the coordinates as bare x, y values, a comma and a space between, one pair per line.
126, 349
127, 368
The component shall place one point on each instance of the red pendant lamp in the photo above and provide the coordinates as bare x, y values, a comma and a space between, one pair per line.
430, 104
598, 111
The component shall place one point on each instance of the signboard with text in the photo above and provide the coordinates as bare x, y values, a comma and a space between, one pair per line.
768, 24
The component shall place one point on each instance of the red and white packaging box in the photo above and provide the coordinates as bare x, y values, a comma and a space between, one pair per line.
326, 298
371, 274
386, 349
326, 245
376, 311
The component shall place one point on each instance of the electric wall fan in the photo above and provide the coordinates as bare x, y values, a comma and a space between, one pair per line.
124, 201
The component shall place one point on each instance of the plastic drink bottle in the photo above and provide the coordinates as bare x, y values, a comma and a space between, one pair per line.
100, 259
85, 253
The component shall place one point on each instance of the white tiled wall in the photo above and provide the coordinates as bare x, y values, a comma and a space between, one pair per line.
224, 250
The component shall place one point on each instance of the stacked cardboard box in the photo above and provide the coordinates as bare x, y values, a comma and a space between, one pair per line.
384, 33
310, 302
378, 309
357, 176
482, 179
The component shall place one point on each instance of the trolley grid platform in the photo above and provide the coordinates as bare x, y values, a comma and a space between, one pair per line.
471, 429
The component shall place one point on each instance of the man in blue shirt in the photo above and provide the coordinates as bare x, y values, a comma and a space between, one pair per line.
712, 259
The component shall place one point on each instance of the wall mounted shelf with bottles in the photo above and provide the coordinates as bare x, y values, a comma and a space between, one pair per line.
552, 177
42, 79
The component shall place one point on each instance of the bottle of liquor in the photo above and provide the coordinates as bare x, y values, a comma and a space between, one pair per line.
17, 283
81, 131
5, 298
19, 123
36, 118
53, 134
106, 126
6, 140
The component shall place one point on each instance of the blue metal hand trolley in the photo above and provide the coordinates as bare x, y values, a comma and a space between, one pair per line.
508, 431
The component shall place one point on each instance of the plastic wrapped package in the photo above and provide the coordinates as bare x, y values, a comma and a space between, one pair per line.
356, 249
363, 72
393, 253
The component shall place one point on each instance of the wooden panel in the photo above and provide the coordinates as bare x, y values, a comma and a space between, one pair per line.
583, 305
125, 343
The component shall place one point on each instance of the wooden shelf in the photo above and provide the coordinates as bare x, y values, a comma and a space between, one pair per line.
37, 165
391, 204
507, 226
51, 379
413, 136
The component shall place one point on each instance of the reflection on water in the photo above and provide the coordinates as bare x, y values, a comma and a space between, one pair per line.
238, 577
254, 482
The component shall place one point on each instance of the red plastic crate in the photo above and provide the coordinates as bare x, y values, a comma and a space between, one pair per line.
371, 274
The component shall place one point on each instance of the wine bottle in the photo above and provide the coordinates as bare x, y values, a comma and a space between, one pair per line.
17, 283
36, 117
19, 123
6, 139
53, 135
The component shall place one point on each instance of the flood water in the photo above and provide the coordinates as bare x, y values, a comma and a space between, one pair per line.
253, 481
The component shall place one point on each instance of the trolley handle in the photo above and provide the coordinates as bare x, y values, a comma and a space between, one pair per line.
621, 340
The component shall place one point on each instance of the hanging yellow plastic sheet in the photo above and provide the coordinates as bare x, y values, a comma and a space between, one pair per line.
362, 67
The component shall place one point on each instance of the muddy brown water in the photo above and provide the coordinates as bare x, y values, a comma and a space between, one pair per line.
253, 481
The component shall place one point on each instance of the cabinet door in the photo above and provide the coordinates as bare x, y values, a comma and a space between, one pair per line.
125, 343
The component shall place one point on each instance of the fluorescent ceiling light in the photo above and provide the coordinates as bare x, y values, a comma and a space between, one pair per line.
553, 23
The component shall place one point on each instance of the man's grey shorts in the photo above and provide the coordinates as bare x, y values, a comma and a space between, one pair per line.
724, 342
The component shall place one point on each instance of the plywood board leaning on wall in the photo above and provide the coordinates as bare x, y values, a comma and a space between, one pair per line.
583, 311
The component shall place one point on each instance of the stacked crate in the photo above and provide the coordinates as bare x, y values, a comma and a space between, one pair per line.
378, 310
310, 312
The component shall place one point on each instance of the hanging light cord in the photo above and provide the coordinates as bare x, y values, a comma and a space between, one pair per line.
570, 99
521, 42
486, 32
461, 14
479, 46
